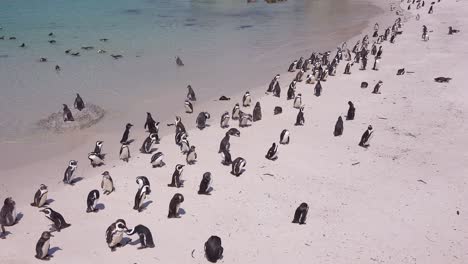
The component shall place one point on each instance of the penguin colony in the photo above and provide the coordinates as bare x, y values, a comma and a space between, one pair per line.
317, 67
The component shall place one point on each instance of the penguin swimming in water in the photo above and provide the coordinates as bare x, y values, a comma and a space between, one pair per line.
146, 238
179, 61
300, 215
292, 66
151, 124
56, 218
366, 137
114, 234
272, 153
284, 137
107, 184
298, 101
191, 94
174, 205
213, 249
43, 246
191, 157
201, 120
245, 119
238, 166
246, 99
271, 87
351, 111
68, 175
126, 133
78, 104
377, 88
235, 112
176, 182
95, 160
157, 160
338, 127
140, 198
188, 106
224, 123
300, 117
318, 89
124, 152
257, 112
291, 90
205, 184
40, 197
277, 90
376, 65
91, 201
146, 148
67, 114
8, 216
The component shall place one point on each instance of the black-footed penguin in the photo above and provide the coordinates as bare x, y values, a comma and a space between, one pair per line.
114, 234
235, 112
157, 160
8, 216
126, 133
224, 123
68, 175
245, 119
56, 218
43, 246
52, 41
179, 137
238, 166
176, 182
191, 157
67, 114
146, 238
143, 181
272, 153
191, 94
95, 160
213, 249
292, 66
300, 215
201, 120
271, 86
188, 106
124, 152
115, 56
150, 123
284, 137
184, 146
57, 69
40, 198
225, 141
377, 88
366, 137
246, 99
298, 101
318, 89
257, 112
179, 125
338, 127
205, 184
347, 68
91, 201
277, 110
174, 205
299, 76
300, 117
226, 157
277, 90
23, 45
43, 60
107, 184
291, 90
299, 63
379, 53
98, 149
146, 148
78, 104
140, 197
179, 61
351, 111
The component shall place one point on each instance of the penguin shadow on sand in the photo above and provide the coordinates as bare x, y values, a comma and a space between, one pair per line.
182, 211
4, 235
76, 180
100, 206
53, 250
145, 205
49, 202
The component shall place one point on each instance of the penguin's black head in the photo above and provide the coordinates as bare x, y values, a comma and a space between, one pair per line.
46, 235
9, 202
106, 173
129, 125
43, 187
207, 175
192, 147
78, 95
73, 163
207, 115
179, 166
121, 225
99, 143
233, 132
179, 197
304, 206
369, 127
65, 106
46, 211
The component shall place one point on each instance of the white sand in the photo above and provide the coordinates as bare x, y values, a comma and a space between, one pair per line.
374, 212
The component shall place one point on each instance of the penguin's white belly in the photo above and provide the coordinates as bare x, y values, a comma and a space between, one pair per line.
116, 238
45, 248
125, 154
43, 200
11, 220
225, 122
158, 161
142, 199
177, 208
235, 114
95, 203
191, 156
297, 103
184, 148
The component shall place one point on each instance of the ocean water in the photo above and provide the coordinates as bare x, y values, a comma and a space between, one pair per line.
228, 46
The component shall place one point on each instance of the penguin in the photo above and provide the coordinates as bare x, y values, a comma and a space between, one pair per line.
188, 106
91, 201
300, 215
157, 160
179, 61
379, 53
114, 234
176, 182
124, 139
366, 137
238, 166
143, 181
95, 160
257, 112
124, 152
68, 175
103, 40
68, 51
338, 127
205, 184
277, 90
56, 218
191, 94
174, 205
151, 124
235, 112
107, 184
115, 56
300, 117
98, 149
277, 110
8, 216
146, 238
310, 79
78, 104
52, 41
43, 246
377, 88
226, 157
140, 197
87, 48
271, 86
246, 99
225, 144
272, 153
245, 119
179, 125
347, 68
23, 45
179, 137
184, 146
299, 76
224, 123
299, 63
146, 148
452, 30
57, 68
201, 120
67, 114
213, 249
191, 157
298, 101
318, 89
376, 64
284, 137
100, 51
43, 60
292, 66
40, 198
291, 90
374, 50
351, 111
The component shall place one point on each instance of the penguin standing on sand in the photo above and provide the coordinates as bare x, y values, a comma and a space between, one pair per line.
366, 137
174, 205
176, 182
299, 63
318, 89
238, 166
78, 104
291, 90
40, 198
8, 216
124, 139
351, 111
226, 157
299, 76
146, 238
225, 117
379, 53
151, 124
67, 114
284, 137
107, 184
300, 215
143, 181
235, 112
179, 125
338, 127
124, 152
272, 153
56, 218
140, 197
347, 68
277, 90
377, 88
114, 234
292, 66
246, 99
300, 117
191, 157
213, 249
184, 146
191, 94
257, 112
68, 175
297, 101
271, 87
43, 246
376, 64
205, 184
188, 106
310, 79
91, 201
157, 160
98, 149
201, 120
95, 160
146, 148
245, 119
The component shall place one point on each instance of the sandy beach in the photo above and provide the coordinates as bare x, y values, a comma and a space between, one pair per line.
402, 200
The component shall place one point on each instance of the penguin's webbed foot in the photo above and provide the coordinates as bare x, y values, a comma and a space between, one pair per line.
141, 247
